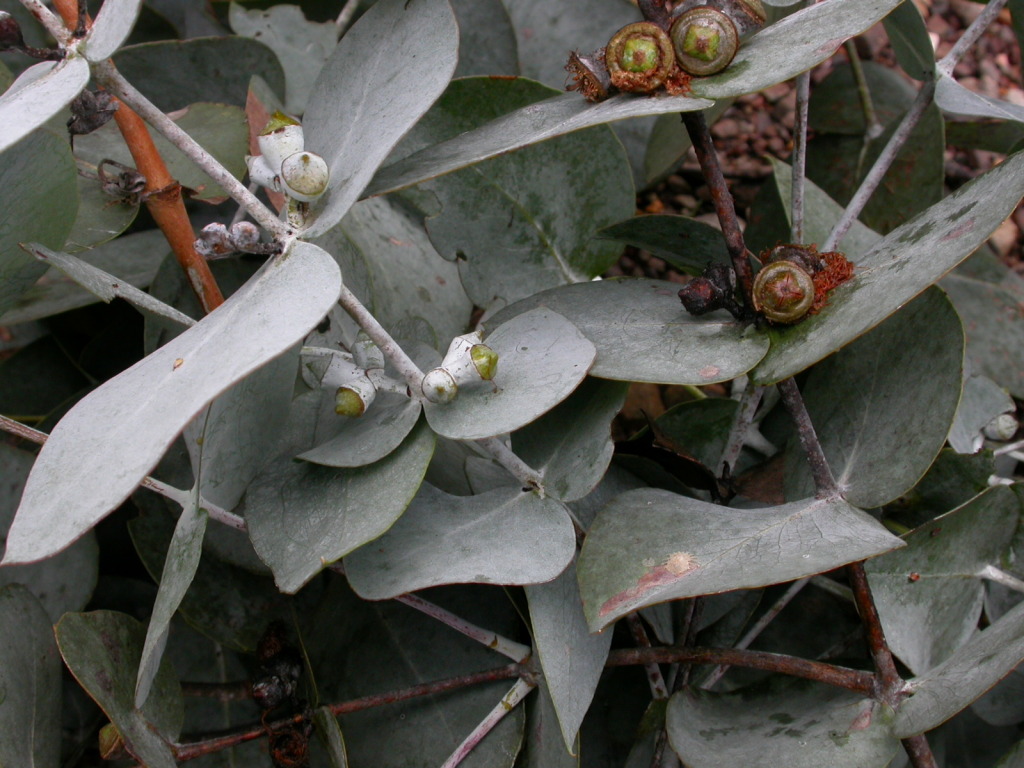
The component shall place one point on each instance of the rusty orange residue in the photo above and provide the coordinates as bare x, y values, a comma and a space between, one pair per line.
676, 566
959, 230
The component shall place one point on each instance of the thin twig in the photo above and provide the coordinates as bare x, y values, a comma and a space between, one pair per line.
513, 650
345, 16
703, 145
111, 79
830, 674
873, 127
799, 168
659, 691
970, 36
240, 691
406, 367
891, 684
1000, 576
495, 716
504, 455
749, 401
198, 748
177, 495
58, 31
880, 168
757, 628
919, 752
824, 481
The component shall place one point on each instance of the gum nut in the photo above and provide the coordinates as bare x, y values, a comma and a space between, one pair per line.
261, 173
439, 386
304, 176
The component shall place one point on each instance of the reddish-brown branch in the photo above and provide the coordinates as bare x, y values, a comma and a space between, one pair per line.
919, 752
196, 749
842, 677
703, 145
890, 683
162, 193
824, 480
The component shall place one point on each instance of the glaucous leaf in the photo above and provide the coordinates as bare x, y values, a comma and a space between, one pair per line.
642, 332
944, 690
362, 648
685, 243
220, 129
929, 594
700, 427
110, 28
229, 441
487, 41
546, 30
910, 42
542, 358
38, 195
571, 445
865, 403
101, 217
504, 536
129, 422
386, 72
176, 73
523, 222
788, 47
649, 545
987, 296
1003, 704
303, 516
301, 46
543, 746
897, 268
571, 658
532, 124
30, 671
368, 438
39, 93
982, 400
771, 218
61, 584
103, 285
799, 726
331, 737
179, 570
399, 276
955, 99
225, 602
102, 650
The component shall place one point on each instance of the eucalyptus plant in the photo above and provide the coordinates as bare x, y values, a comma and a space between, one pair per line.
368, 444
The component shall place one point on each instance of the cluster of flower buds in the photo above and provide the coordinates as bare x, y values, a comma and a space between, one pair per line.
467, 360
11, 39
714, 289
355, 377
284, 165
216, 241
698, 38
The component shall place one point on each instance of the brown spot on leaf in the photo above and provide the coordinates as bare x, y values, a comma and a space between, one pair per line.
959, 230
676, 566
710, 371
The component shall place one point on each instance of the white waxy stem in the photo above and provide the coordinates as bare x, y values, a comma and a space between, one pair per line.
304, 176
261, 173
280, 144
460, 347
367, 354
468, 359
439, 386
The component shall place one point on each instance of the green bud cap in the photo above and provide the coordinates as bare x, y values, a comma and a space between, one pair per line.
347, 402
485, 360
277, 121
702, 42
111, 743
639, 55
